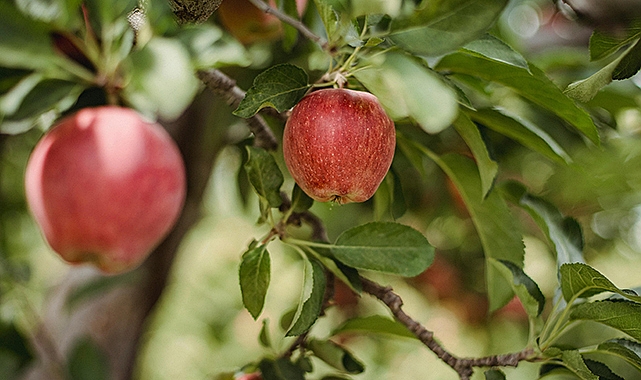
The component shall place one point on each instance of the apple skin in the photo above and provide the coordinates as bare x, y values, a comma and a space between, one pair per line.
250, 376
250, 24
338, 145
105, 186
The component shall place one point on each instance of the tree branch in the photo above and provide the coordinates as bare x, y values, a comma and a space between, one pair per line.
222, 85
463, 366
302, 28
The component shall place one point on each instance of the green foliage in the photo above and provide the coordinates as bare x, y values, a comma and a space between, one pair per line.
15, 353
311, 301
407, 89
87, 361
336, 356
280, 87
622, 315
264, 175
524, 287
531, 84
376, 324
564, 233
494, 374
440, 27
255, 274
385, 247
582, 281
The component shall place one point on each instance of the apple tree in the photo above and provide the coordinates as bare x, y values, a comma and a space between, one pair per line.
365, 189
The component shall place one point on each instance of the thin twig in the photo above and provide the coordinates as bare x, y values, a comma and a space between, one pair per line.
302, 28
222, 85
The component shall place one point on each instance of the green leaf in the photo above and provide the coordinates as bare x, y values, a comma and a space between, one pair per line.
9, 78
16, 347
47, 95
280, 369
59, 12
370, 7
389, 199
603, 44
586, 89
264, 175
263, 338
494, 374
406, 88
107, 13
442, 26
280, 87
209, 47
581, 280
600, 369
472, 136
376, 324
301, 202
87, 361
254, 275
386, 247
622, 315
25, 43
328, 16
630, 64
525, 288
497, 50
563, 232
36, 101
335, 355
313, 304
532, 85
494, 224
619, 348
161, 78
520, 130
573, 360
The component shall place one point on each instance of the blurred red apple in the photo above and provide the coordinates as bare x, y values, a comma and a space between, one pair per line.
250, 376
105, 186
250, 24
338, 145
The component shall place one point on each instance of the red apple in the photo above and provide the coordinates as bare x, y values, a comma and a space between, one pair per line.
338, 145
250, 24
105, 186
250, 376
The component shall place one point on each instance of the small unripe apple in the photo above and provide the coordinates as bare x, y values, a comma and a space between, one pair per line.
338, 145
105, 186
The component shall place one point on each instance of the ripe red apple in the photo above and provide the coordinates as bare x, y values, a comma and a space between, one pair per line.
250, 24
105, 186
338, 145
